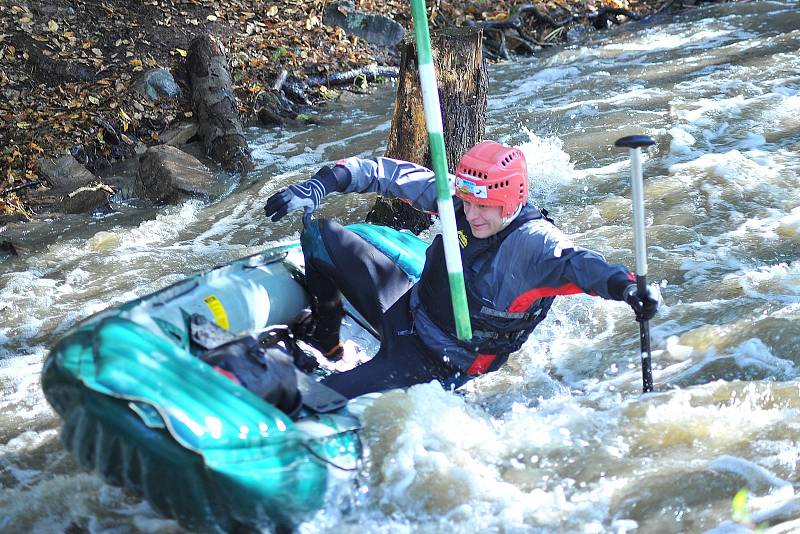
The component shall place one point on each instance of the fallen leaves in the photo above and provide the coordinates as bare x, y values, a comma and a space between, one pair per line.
312, 22
11, 204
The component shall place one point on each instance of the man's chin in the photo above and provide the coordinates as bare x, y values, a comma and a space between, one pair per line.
480, 233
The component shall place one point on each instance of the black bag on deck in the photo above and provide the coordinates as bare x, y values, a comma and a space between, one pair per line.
271, 366
267, 371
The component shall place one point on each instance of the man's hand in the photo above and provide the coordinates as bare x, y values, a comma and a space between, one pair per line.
307, 195
645, 306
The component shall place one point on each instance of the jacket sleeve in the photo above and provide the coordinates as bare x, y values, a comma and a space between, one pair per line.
558, 267
394, 179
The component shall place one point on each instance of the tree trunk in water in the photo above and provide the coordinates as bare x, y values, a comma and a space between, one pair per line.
215, 105
463, 84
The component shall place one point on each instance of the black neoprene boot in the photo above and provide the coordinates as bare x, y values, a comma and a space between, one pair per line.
325, 335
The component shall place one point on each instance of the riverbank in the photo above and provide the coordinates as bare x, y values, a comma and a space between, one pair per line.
70, 69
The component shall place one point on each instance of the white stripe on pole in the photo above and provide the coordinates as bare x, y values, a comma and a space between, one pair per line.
448, 217
430, 98
637, 194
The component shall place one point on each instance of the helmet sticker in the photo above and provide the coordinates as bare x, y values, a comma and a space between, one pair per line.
467, 187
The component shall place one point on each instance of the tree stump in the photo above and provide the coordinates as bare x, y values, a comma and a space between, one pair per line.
463, 85
215, 105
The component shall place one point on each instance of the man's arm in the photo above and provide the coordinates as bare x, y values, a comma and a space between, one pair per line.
586, 269
389, 177
394, 179
561, 268
555, 266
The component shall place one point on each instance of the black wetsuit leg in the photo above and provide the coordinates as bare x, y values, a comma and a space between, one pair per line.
338, 260
402, 360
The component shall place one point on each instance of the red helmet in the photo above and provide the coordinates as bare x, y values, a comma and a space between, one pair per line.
491, 174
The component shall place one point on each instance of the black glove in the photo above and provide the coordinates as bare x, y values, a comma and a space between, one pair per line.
645, 306
307, 195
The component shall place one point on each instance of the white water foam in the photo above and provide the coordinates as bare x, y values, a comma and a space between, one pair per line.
788, 226
697, 417
442, 462
64, 502
531, 86
774, 283
661, 40
549, 167
165, 228
681, 142
22, 399
758, 116
742, 171
309, 149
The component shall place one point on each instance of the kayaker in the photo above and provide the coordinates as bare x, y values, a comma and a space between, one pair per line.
516, 261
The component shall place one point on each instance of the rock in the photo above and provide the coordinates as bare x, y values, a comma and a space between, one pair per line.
7, 247
373, 28
9, 219
179, 134
167, 174
52, 70
12, 95
272, 108
73, 188
156, 84
48, 11
87, 199
79, 153
65, 173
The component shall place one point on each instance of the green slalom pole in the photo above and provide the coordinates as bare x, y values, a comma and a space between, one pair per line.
433, 122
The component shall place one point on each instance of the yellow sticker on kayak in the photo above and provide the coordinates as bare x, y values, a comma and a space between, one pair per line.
218, 311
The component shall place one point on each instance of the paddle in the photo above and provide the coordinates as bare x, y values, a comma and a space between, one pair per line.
635, 143
433, 122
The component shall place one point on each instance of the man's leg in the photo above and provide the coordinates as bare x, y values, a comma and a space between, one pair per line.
402, 360
340, 262
396, 366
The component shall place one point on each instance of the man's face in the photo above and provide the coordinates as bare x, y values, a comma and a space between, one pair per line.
484, 221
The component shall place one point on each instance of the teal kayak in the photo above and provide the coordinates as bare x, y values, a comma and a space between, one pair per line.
140, 406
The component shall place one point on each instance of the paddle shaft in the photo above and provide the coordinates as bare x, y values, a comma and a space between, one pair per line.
640, 246
444, 200
634, 144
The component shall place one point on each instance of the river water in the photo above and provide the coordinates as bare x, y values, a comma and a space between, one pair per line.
560, 440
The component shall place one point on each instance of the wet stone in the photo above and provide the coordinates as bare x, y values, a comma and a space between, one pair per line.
179, 134
65, 172
7, 248
156, 84
94, 198
73, 188
373, 28
167, 174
